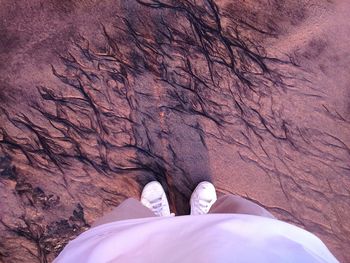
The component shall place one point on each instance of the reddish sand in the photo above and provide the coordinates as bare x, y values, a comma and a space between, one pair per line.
91, 109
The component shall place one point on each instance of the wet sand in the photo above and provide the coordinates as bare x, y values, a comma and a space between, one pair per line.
98, 98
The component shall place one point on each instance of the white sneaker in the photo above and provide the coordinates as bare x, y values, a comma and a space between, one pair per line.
203, 197
153, 196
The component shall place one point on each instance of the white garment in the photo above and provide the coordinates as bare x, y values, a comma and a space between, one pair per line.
204, 238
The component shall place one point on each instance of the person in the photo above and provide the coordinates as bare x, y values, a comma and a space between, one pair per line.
225, 229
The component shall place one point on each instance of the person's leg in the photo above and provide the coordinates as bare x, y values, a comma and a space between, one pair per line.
129, 209
238, 205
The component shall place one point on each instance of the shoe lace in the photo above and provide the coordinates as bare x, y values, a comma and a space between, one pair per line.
202, 206
157, 206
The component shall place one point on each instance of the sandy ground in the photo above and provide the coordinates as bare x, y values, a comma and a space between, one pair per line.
97, 98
